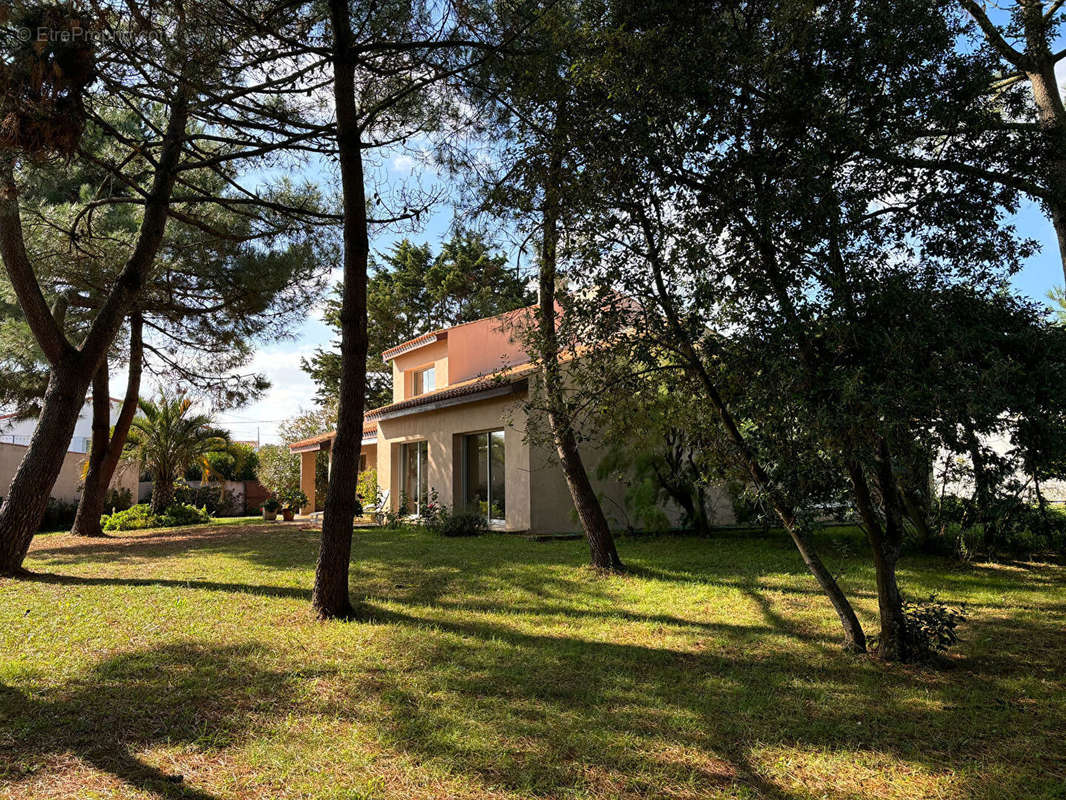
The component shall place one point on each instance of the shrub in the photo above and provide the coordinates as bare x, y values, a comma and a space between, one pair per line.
133, 518
463, 523
367, 490
118, 499
293, 499
58, 514
141, 516
219, 502
1010, 527
930, 625
180, 514
272, 505
278, 469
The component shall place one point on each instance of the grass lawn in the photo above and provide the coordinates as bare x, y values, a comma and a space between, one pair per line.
499, 667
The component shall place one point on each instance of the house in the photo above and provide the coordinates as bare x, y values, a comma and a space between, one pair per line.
18, 431
457, 430
15, 437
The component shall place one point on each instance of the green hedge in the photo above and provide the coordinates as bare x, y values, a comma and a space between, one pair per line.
141, 516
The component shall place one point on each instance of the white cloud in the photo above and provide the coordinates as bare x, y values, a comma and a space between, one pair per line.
403, 164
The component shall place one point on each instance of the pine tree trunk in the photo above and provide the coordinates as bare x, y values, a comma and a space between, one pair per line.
27, 496
602, 550
94, 492
1047, 96
72, 369
99, 476
330, 598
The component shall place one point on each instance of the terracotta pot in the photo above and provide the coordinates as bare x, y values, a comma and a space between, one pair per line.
270, 516
287, 514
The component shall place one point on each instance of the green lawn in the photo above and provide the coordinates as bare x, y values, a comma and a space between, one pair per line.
499, 667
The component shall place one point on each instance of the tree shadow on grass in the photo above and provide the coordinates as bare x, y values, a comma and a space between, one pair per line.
543, 712
183, 694
540, 714
212, 586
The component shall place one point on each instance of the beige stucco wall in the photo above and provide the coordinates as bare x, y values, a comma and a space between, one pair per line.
307, 480
443, 429
554, 509
68, 485
538, 498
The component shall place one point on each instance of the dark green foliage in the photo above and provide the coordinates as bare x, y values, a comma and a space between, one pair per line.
118, 499
238, 462
217, 501
58, 514
931, 625
410, 292
1009, 527
463, 523
141, 516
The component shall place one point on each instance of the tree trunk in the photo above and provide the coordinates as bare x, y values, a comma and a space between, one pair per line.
330, 598
1039, 67
99, 476
93, 493
918, 515
72, 369
885, 544
602, 550
27, 496
1058, 219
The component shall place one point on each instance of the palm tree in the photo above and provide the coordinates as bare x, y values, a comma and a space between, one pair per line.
166, 439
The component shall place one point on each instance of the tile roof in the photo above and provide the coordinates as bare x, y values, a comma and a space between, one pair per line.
370, 430
414, 344
463, 389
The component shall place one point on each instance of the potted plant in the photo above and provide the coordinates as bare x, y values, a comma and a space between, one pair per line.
292, 500
270, 509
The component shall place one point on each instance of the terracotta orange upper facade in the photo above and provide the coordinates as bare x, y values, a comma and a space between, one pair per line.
442, 359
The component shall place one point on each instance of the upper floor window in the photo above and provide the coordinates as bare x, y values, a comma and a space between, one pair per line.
423, 380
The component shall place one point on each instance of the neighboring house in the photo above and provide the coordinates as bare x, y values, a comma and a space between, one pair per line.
16, 431
15, 437
457, 427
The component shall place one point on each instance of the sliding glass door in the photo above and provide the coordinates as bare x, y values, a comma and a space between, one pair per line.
484, 488
415, 483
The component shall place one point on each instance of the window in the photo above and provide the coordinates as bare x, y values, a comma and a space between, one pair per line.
424, 380
483, 475
415, 476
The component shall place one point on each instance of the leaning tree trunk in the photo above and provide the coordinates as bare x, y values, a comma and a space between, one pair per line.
72, 369
27, 496
102, 468
330, 598
94, 491
602, 550
854, 637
